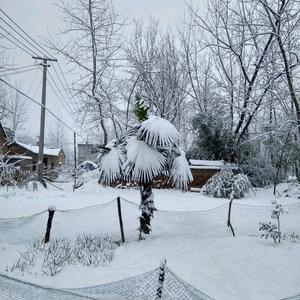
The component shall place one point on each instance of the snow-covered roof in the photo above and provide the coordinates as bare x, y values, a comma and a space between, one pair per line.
200, 162
20, 157
35, 149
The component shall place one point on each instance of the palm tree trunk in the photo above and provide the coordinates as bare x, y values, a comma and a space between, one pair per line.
147, 207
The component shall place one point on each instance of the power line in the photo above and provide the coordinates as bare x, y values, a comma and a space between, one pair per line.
18, 40
19, 72
63, 82
36, 102
26, 34
21, 35
16, 44
4, 69
32, 81
59, 95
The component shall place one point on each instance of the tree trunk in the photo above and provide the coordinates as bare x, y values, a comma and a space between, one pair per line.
147, 207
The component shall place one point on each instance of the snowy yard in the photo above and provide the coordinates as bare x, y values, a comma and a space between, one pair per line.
188, 229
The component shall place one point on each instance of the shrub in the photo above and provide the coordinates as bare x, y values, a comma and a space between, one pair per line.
227, 185
52, 257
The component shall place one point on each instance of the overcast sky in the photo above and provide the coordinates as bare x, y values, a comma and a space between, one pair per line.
38, 17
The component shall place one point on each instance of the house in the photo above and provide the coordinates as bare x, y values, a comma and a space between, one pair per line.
53, 157
202, 170
87, 152
26, 156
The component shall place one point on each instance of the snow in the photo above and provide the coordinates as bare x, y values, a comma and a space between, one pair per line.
158, 131
144, 161
180, 172
35, 149
188, 229
20, 157
200, 162
111, 166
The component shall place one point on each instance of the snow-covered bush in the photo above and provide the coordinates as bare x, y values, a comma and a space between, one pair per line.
226, 184
94, 250
52, 257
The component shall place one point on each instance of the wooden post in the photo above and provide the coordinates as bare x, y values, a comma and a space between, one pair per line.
120, 219
229, 216
51, 211
161, 279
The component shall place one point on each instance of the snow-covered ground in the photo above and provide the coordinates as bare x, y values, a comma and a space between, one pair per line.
189, 229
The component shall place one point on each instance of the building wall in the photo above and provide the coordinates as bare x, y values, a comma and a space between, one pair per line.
87, 152
50, 161
201, 176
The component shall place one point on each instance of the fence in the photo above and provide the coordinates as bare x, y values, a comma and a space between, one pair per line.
143, 286
105, 219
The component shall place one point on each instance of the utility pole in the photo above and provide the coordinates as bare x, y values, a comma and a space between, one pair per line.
40, 164
75, 163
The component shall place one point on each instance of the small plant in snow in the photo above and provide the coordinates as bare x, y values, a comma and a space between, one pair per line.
292, 237
57, 254
94, 250
273, 231
277, 211
227, 185
270, 230
52, 257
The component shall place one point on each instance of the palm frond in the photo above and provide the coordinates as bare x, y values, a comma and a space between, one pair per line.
110, 166
157, 131
180, 173
143, 162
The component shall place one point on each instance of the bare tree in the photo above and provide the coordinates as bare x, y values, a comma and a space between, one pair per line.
156, 70
91, 42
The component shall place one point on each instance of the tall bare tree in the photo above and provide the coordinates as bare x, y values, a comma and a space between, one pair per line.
90, 44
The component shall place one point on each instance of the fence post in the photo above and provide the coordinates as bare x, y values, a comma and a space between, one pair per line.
51, 211
229, 217
161, 279
120, 220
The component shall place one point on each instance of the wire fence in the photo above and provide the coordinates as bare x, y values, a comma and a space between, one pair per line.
143, 286
103, 219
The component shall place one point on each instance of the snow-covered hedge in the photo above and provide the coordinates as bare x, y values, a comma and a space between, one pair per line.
226, 184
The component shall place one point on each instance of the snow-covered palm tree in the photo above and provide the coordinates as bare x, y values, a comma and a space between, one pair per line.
140, 155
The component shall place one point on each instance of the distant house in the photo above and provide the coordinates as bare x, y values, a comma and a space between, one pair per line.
202, 170
27, 155
53, 157
87, 152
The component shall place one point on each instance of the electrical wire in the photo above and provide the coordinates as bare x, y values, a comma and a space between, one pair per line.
16, 44
26, 34
19, 72
36, 102
4, 69
20, 42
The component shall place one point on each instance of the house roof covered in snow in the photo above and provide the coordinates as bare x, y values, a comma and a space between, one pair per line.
209, 164
35, 149
200, 162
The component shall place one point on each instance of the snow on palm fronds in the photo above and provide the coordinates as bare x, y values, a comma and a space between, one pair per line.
145, 152
180, 173
157, 131
143, 162
111, 166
